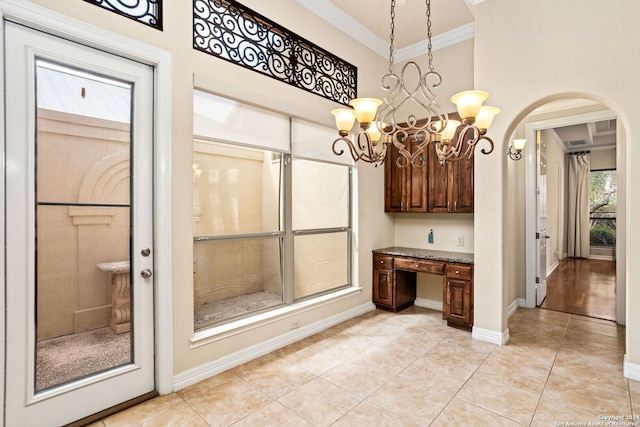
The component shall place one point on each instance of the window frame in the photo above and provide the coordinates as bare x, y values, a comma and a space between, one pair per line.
115, 9
615, 218
287, 235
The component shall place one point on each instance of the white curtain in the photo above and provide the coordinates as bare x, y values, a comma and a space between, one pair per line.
578, 213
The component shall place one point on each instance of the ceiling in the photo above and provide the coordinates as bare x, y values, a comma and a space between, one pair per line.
451, 23
592, 135
588, 136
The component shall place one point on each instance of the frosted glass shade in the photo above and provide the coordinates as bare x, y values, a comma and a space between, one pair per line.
469, 102
365, 108
374, 132
485, 116
344, 119
449, 131
518, 144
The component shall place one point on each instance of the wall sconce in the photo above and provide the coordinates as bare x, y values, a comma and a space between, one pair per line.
515, 149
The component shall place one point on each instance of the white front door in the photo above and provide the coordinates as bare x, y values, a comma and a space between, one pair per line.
541, 229
79, 236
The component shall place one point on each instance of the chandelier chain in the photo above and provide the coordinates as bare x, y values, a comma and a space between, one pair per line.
429, 34
392, 34
381, 120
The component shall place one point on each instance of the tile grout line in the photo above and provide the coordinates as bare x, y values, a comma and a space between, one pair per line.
546, 381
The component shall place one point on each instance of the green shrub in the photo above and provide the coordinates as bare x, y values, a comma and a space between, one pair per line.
602, 236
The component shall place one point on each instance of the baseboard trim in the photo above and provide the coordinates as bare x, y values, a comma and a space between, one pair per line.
602, 257
207, 370
490, 336
515, 304
428, 303
631, 370
552, 267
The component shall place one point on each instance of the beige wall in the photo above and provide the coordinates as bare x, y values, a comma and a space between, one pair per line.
528, 53
455, 64
603, 159
376, 230
514, 44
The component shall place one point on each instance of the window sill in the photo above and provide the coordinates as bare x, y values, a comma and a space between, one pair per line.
218, 333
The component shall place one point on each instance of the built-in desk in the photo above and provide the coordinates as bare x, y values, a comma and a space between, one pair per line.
394, 281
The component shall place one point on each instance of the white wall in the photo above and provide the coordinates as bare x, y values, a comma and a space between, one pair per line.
515, 44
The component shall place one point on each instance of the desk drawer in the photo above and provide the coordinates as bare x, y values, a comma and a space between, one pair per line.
382, 261
421, 265
457, 271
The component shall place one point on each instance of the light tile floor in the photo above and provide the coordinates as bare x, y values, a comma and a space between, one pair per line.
410, 369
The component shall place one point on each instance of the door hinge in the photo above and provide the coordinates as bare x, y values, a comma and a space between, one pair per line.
537, 236
537, 280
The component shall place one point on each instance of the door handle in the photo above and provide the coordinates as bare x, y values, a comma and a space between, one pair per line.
146, 273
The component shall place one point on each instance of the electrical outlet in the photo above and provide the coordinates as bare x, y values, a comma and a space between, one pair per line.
461, 241
294, 325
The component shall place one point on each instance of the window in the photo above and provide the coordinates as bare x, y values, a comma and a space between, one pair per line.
148, 12
602, 207
271, 217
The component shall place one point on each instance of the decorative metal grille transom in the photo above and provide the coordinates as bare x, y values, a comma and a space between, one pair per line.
228, 30
148, 12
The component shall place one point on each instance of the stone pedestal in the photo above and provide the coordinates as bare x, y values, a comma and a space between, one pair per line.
120, 294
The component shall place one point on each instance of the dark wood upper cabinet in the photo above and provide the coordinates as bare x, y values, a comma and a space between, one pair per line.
450, 185
405, 188
433, 188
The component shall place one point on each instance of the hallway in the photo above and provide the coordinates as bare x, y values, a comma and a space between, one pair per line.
583, 286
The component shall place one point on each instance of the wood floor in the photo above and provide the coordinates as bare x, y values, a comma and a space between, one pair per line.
583, 286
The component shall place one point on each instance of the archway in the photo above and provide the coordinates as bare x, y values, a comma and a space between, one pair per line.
551, 112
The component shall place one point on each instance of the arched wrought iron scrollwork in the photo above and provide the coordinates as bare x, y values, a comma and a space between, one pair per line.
148, 12
230, 31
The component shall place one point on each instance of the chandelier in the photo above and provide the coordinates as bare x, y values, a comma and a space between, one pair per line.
382, 122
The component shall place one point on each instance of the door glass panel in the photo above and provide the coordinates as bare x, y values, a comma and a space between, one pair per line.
83, 220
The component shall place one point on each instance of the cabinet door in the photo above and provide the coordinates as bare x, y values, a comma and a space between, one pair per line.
438, 184
416, 186
462, 186
394, 182
405, 190
383, 287
458, 300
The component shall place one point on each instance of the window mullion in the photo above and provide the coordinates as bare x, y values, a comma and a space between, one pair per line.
287, 216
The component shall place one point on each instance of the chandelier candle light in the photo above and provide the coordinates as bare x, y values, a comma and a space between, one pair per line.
380, 127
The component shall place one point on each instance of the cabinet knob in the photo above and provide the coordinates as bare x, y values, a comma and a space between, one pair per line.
381, 262
457, 271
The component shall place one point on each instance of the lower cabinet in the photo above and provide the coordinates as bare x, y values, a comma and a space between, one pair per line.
457, 296
383, 287
394, 286
393, 290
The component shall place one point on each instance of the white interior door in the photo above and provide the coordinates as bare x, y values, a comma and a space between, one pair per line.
79, 254
541, 232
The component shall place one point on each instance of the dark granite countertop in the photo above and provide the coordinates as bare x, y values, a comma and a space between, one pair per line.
460, 257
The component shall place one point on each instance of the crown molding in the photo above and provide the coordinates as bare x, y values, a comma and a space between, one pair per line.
345, 23
439, 41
